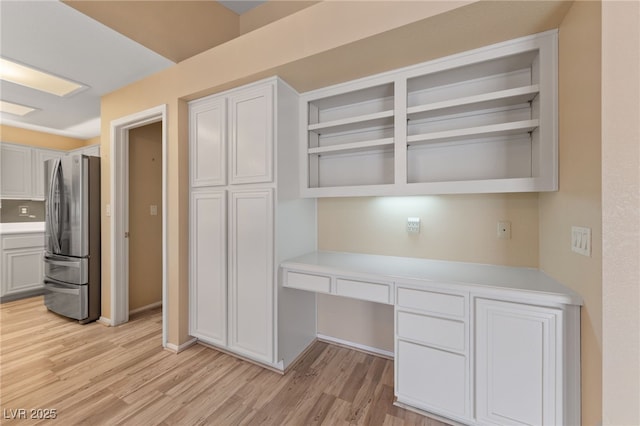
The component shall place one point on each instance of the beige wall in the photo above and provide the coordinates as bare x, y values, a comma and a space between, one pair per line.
578, 202
292, 48
40, 139
621, 212
452, 227
145, 230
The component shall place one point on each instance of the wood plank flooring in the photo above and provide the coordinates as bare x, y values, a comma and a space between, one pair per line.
99, 375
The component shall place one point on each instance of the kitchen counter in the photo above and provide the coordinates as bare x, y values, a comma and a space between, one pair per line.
21, 228
464, 276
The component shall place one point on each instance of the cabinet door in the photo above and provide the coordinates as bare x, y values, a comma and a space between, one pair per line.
207, 136
208, 269
23, 270
39, 157
518, 379
251, 128
16, 172
251, 274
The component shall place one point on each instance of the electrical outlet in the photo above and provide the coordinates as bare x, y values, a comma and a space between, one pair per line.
581, 240
413, 225
504, 230
23, 211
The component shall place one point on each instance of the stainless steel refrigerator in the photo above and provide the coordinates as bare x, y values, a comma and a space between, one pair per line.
72, 237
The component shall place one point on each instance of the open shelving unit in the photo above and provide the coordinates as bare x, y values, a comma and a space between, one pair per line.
479, 121
350, 138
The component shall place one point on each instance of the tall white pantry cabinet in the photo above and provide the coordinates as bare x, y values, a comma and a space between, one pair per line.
244, 206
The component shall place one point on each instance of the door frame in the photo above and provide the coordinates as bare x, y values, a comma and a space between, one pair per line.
119, 168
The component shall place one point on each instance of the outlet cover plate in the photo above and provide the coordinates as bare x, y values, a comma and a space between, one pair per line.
413, 225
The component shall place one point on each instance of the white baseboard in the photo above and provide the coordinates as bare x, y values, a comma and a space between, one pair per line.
177, 349
357, 346
146, 308
105, 321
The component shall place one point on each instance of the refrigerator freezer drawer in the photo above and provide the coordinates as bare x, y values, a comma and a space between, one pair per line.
66, 269
66, 299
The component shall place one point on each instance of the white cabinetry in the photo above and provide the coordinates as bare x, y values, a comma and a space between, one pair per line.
244, 219
207, 136
22, 263
23, 169
16, 171
479, 121
477, 344
518, 364
432, 351
251, 128
208, 289
251, 271
39, 157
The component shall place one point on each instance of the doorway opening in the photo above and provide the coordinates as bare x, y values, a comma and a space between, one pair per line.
145, 217
121, 132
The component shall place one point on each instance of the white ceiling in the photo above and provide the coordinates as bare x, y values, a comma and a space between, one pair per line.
50, 36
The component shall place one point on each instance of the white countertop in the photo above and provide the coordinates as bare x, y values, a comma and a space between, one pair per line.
21, 227
528, 280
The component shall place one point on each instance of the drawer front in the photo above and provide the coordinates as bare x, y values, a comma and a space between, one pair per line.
317, 283
374, 292
438, 303
444, 333
26, 241
431, 379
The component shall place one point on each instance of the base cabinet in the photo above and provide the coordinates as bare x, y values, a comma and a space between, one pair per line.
22, 264
518, 361
432, 379
476, 344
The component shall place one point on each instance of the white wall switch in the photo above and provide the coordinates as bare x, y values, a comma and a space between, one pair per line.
153, 210
413, 225
581, 240
504, 230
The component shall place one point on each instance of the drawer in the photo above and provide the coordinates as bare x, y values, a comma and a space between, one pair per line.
438, 303
444, 333
25, 241
317, 283
374, 292
432, 379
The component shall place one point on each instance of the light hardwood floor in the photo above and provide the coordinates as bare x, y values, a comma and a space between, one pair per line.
96, 375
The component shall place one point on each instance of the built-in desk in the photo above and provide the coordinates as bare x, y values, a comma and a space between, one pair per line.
476, 344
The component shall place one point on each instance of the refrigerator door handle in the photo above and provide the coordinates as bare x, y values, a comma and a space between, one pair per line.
53, 261
60, 288
53, 206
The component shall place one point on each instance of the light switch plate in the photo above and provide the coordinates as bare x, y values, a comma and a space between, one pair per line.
581, 240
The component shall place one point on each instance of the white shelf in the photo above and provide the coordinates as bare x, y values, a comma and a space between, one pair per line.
482, 121
352, 123
496, 99
352, 147
502, 129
